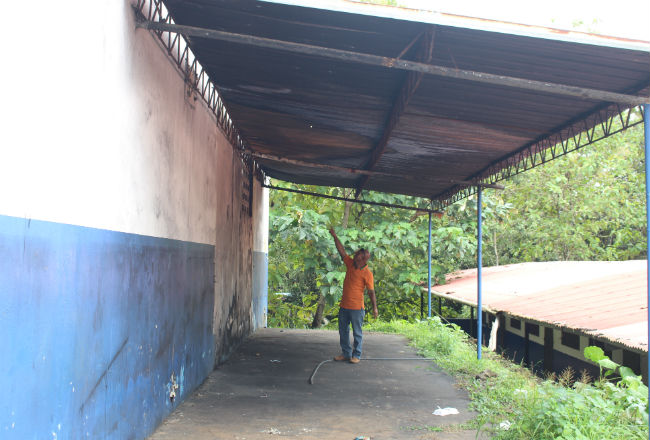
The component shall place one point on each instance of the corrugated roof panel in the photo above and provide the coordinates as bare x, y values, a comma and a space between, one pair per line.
307, 107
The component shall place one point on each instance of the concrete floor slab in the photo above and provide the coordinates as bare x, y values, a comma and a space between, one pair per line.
262, 392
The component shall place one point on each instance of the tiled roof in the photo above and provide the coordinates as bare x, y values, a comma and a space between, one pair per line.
602, 298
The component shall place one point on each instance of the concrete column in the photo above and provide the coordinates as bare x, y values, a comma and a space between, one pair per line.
260, 254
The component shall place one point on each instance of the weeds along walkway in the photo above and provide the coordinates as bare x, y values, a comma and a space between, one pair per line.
264, 390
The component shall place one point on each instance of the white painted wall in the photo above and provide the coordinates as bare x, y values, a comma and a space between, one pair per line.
260, 218
96, 129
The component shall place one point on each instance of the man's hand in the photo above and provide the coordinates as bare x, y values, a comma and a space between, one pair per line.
337, 243
373, 299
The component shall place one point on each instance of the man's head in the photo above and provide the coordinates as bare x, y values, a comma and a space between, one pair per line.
361, 258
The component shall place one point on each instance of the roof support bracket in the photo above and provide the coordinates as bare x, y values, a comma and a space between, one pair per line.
542, 151
394, 63
410, 85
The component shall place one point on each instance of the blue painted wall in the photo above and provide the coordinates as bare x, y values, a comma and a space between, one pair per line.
514, 349
466, 325
260, 288
94, 323
536, 356
563, 361
469, 327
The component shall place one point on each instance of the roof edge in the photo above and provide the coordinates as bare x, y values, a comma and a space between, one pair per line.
623, 343
467, 22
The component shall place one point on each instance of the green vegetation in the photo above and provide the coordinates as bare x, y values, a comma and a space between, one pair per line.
588, 205
504, 394
304, 261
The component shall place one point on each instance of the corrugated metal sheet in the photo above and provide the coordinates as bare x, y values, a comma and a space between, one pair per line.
332, 112
603, 298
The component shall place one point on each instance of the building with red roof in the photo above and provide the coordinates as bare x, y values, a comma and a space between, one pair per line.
547, 313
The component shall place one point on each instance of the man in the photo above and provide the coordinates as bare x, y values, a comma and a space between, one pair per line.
358, 278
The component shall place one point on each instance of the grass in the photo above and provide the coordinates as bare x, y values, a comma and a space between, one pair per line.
500, 391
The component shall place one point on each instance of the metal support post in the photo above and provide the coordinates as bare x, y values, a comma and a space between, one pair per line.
646, 124
479, 264
429, 278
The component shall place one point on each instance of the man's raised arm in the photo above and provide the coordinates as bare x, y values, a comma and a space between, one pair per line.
337, 242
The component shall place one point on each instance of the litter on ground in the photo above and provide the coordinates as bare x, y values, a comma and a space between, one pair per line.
445, 411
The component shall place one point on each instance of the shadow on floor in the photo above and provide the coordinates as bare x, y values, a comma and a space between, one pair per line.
262, 391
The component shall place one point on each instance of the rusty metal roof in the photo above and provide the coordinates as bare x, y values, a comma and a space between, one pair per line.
316, 119
607, 299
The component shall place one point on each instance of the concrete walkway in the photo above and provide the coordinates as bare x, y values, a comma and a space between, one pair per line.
263, 392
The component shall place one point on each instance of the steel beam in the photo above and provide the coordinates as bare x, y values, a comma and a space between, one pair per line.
303, 163
359, 171
479, 278
646, 123
477, 184
429, 277
345, 199
410, 85
611, 120
394, 63
197, 80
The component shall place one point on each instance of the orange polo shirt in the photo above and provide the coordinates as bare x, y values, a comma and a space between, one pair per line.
354, 285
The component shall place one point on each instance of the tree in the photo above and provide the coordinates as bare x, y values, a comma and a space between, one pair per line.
587, 205
303, 260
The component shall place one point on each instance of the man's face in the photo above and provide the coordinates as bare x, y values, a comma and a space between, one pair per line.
361, 258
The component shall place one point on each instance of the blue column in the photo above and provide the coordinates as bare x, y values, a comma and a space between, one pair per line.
429, 282
646, 124
479, 264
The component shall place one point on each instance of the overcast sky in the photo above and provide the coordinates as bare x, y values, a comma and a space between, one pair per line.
627, 18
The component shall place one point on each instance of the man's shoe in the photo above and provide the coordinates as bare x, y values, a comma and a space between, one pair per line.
341, 358
354, 360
